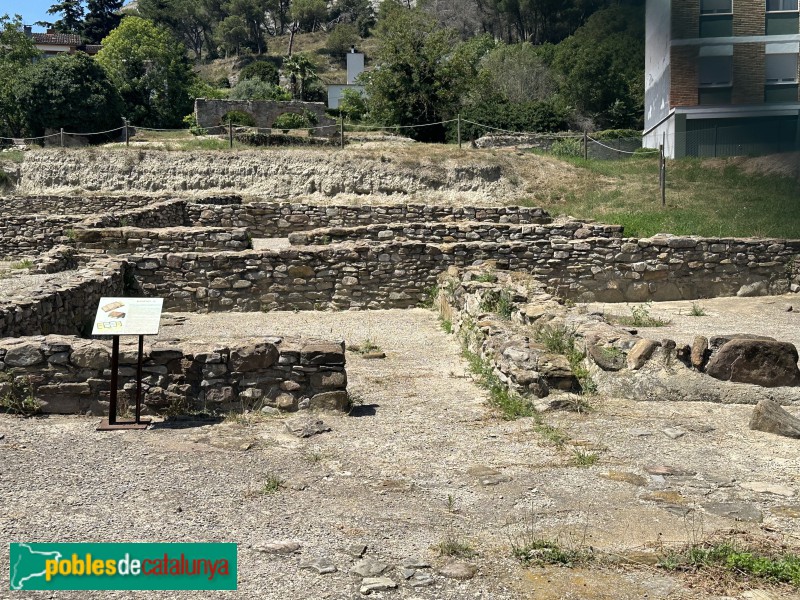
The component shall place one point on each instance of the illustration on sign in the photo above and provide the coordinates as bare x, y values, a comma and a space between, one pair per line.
128, 316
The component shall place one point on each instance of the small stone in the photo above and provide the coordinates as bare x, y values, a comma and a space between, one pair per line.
408, 573
322, 566
699, 351
356, 550
625, 477
758, 595
304, 427
369, 568
788, 308
421, 580
641, 353
667, 470
376, 584
789, 512
763, 487
373, 355
770, 417
270, 410
415, 563
639, 432
458, 570
740, 511
278, 547
673, 433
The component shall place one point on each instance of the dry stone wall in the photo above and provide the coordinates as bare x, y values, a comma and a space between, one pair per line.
64, 305
448, 232
67, 374
129, 240
71, 205
278, 219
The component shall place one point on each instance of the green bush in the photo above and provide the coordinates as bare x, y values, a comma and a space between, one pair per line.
343, 36
260, 70
255, 89
288, 121
535, 116
191, 122
567, 147
237, 117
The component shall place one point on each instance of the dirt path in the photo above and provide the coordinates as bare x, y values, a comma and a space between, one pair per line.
421, 461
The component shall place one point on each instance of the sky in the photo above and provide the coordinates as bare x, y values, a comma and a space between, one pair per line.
31, 10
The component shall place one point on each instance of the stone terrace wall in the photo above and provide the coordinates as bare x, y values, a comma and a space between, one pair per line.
278, 219
438, 233
127, 240
72, 375
399, 274
28, 236
65, 306
71, 205
169, 213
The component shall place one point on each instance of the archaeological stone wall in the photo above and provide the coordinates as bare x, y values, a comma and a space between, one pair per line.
29, 235
400, 274
71, 205
210, 113
278, 219
65, 305
168, 213
67, 374
129, 240
449, 232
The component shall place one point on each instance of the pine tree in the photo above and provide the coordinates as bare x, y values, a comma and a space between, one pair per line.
72, 21
103, 16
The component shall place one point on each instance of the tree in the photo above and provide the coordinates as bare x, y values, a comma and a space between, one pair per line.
70, 91
308, 14
232, 34
302, 71
151, 71
188, 20
101, 18
518, 72
340, 40
17, 52
72, 20
255, 89
262, 70
422, 71
355, 12
601, 67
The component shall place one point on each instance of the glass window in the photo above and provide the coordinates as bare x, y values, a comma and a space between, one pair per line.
717, 7
781, 68
781, 5
715, 71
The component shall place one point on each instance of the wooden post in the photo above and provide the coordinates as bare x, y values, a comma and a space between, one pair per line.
62, 137
341, 133
662, 175
230, 132
585, 145
127, 139
459, 131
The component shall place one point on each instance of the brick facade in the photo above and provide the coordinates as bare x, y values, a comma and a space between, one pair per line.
683, 73
749, 17
748, 73
685, 19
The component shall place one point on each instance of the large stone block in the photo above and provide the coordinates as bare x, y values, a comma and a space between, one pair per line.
26, 354
253, 357
91, 357
766, 363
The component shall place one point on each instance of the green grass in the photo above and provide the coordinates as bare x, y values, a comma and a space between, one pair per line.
15, 156
511, 405
454, 547
640, 317
697, 310
500, 302
272, 484
581, 458
561, 340
706, 197
742, 562
539, 552
25, 263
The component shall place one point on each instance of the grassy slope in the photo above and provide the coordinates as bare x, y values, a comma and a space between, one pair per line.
713, 198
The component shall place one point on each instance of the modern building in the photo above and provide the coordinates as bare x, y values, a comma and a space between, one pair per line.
355, 66
721, 77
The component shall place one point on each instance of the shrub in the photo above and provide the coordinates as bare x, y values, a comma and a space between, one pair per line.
261, 71
237, 117
567, 147
288, 121
255, 89
343, 36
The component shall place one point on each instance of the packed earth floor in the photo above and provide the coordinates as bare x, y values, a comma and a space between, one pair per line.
420, 467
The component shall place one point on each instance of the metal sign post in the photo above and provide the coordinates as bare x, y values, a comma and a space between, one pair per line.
126, 316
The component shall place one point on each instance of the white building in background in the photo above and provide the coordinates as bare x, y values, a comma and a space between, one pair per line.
355, 66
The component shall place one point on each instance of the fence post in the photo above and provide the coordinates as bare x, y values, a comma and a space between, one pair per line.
585, 145
341, 132
62, 137
127, 139
662, 174
459, 131
230, 132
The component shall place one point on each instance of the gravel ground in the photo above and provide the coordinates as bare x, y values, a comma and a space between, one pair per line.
420, 461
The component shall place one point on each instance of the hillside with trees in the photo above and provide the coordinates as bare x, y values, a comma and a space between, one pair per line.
518, 65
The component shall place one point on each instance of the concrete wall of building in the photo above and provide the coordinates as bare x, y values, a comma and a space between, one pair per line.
657, 67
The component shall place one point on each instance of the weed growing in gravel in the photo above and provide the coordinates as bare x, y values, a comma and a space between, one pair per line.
452, 546
511, 405
553, 435
273, 483
541, 552
18, 398
741, 562
313, 455
697, 310
368, 346
499, 302
429, 297
562, 340
451, 503
486, 277
581, 458
447, 326
641, 317
25, 263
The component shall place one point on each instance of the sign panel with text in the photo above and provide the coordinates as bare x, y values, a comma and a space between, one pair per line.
128, 316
